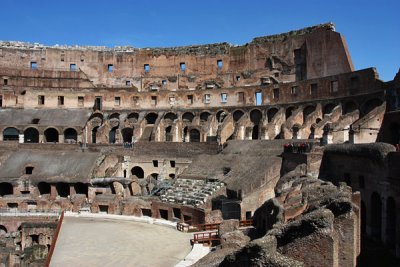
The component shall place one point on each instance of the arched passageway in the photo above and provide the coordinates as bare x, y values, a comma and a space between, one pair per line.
44, 188
188, 117
254, 133
151, 118
194, 135
376, 216
6, 189
271, 114
3, 230
51, 135
81, 188
127, 134
63, 189
307, 111
94, 134
31, 135
10, 134
237, 115
289, 112
370, 105
349, 107
204, 116
70, 135
168, 134
112, 136
255, 116
138, 172
328, 108
170, 116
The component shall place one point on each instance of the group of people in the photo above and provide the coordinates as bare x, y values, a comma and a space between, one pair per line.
297, 147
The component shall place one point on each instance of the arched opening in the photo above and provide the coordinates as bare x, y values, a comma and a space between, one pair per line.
151, 118
363, 218
81, 188
254, 134
6, 189
133, 117
154, 176
271, 114
70, 135
349, 107
391, 222
127, 134
51, 135
185, 134
31, 135
221, 115
204, 116
94, 134
188, 117
168, 134
307, 111
194, 135
171, 175
376, 216
112, 136
289, 112
3, 230
255, 116
44, 188
237, 115
138, 172
370, 105
328, 108
10, 134
312, 132
114, 116
98, 117
170, 116
62, 189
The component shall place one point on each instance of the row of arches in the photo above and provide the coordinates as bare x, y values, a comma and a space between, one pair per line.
31, 135
62, 189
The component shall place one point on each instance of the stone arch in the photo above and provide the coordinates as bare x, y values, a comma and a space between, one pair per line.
220, 115
307, 111
256, 116
114, 116
63, 189
328, 108
31, 135
138, 172
10, 134
295, 131
6, 189
271, 114
154, 176
133, 117
151, 118
3, 230
168, 134
171, 175
376, 216
51, 135
194, 135
237, 115
97, 116
70, 134
94, 134
370, 104
349, 107
127, 134
44, 188
289, 112
204, 116
170, 116
81, 188
188, 117
391, 222
112, 135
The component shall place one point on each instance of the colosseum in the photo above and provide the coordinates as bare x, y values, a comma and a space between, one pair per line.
272, 153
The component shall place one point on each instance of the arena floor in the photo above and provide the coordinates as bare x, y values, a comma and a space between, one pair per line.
109, 242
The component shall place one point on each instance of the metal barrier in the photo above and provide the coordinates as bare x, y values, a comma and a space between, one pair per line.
205, 238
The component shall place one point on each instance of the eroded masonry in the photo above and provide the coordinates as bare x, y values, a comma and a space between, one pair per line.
281, 133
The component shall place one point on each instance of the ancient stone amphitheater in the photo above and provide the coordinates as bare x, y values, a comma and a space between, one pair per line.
281, 135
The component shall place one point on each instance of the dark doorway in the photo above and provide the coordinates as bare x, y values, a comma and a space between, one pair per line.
127, 134
391, 223
164, 214
94, 134
254, 133
10, 134
138, 172
70, 135
31, 135
151, 118
62, 189
376, 216
81, 188
112, 135
51, 135
6, 189
194, 135
168, 134
44, 188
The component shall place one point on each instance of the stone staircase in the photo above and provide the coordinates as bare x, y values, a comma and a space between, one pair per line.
190, 192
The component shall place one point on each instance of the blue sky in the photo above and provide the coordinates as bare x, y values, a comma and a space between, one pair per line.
371, 28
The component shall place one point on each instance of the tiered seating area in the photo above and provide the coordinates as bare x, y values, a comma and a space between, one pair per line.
190, 192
